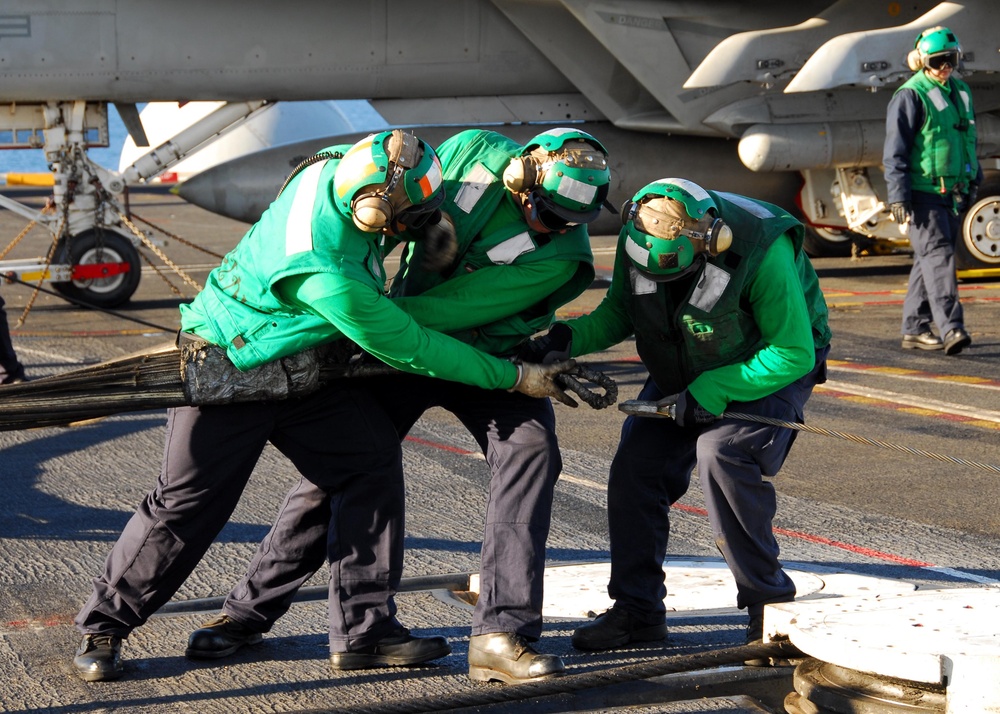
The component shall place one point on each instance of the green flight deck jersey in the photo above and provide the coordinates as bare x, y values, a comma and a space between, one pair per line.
507, 280
745, 325
304, 275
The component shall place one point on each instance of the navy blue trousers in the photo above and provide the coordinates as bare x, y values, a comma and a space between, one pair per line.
342, 443
516, 434
652, 469
932, 292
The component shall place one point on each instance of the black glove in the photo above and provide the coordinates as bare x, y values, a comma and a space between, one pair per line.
536, 380
687, 411
965, 201
440, 244
901, 211
554, 346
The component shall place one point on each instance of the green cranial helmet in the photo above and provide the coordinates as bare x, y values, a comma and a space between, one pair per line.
667, 224
564, 174
386, 175
937, 44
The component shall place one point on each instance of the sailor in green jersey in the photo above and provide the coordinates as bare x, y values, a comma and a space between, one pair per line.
310, 270
727, 314
932, 177
522, 251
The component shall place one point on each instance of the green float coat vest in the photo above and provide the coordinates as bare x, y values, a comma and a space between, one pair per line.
944, 151
301, 232
491, 231
702, 322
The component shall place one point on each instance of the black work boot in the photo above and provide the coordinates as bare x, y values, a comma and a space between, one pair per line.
616, 627
956, 340
507, 657
220, 637
99, 658
397, 649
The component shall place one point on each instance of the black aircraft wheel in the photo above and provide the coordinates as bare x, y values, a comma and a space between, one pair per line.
93, 248
828, 242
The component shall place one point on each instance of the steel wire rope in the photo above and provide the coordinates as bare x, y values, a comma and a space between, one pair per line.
575, 682
863, 440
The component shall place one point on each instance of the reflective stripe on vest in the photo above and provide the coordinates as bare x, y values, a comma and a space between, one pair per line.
298, 228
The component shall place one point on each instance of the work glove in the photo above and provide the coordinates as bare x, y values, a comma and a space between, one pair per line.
553, 346
440, 244
901, 211
686, 409
965, 200
535, 380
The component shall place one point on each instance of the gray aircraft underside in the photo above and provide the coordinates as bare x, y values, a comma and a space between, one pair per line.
757, 98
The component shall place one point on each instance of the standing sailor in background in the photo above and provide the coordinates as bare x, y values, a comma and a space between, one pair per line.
933, 178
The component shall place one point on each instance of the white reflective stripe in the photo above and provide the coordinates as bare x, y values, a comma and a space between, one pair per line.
641, 285
433, 176
559, 131
710, 288
747, 205
694, 189
966, 99
473, 187
637, 253
577, 190
507, 252
298, 227
937, 98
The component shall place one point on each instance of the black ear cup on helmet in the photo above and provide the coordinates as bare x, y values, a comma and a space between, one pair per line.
628, 210
521, 174
371, 212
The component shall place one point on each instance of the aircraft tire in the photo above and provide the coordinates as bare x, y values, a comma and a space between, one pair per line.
827, 242
979, 246
100, 247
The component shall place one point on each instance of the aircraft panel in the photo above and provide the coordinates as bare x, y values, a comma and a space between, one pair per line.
237, 51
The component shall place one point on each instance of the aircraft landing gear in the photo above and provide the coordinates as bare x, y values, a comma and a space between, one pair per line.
106, 268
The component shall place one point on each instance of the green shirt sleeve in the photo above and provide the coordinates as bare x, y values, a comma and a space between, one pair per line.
486, 295
779, 308
609, 323
379, 327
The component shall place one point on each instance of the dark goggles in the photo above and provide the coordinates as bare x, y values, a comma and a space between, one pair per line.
938, 61
420, 215
553, 216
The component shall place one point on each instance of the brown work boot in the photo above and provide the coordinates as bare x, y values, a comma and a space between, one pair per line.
507, 657
220, 637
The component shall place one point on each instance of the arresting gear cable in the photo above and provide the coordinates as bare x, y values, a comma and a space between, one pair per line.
197, 373
637, 407
779, 650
